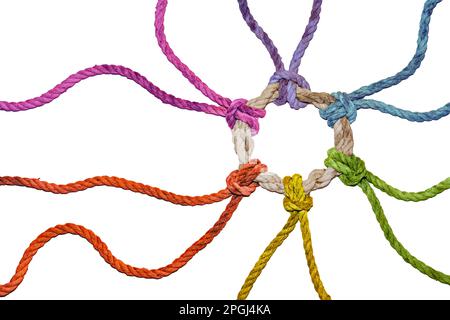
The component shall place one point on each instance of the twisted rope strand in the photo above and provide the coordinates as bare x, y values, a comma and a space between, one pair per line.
265, 257
311, 261
354, 173
413, 116
225, 109
289, 80
109, 258
105, 69
240, 183
413, 65
242, 112
310, 29
394, 242
406, 195
116, 183
297, 203
353, 170
160, 12
237, 109
261, 35
307, 36
346, 105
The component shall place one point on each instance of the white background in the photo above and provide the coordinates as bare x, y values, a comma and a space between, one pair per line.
110, 126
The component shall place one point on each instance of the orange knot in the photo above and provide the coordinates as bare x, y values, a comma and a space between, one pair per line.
241, 182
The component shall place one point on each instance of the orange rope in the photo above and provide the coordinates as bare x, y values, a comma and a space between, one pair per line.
116, 183
240, 183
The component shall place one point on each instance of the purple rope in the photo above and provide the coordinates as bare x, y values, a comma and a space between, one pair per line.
261, 35
288, 79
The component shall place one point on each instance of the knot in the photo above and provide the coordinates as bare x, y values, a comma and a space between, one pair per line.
351, 168
296, 200
342, 107
241, 182
239, 110
289, 81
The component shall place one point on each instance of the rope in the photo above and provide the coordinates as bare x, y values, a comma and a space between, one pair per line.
116, 183
354, 173
313, 270
265, 257
242, 115
353, 170
414, 63
105, 69
160, 12
245, 114
346, 105
297, 203
240, 183
289, 79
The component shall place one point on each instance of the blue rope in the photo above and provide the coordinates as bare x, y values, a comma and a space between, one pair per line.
346, 105
348, 109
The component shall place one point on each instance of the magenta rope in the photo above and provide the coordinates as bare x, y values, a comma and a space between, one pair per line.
232, 110
242, 112
72, 80
160, 12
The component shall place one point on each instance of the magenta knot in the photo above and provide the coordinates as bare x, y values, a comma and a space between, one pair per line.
239, 110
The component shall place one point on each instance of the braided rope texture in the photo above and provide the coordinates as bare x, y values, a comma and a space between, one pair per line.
285, 86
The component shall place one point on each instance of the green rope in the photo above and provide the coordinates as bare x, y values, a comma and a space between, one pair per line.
353, 172
405, 195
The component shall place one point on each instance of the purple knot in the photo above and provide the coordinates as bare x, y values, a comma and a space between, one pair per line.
239, 110
289, 81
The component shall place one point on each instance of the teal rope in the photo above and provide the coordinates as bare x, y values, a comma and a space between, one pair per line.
346, 105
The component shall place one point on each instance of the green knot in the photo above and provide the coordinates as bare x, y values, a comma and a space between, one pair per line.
351, 168
296, 200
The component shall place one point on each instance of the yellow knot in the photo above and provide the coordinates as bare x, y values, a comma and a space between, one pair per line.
295, 199
298, 204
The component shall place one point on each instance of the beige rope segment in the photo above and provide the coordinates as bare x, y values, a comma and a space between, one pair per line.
317, 179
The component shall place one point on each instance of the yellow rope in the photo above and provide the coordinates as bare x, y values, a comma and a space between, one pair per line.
265, 257
307, 245
297, 203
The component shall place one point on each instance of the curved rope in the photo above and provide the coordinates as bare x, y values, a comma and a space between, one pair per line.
106, 69
240, 183
160, 12
116, 182
109, 258
289, 79
354, 173
414, 63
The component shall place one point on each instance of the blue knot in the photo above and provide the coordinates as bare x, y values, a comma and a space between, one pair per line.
342, 107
